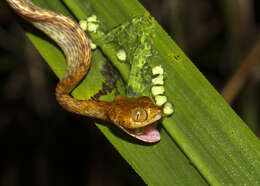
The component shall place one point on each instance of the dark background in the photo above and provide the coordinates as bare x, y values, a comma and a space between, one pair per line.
42, 144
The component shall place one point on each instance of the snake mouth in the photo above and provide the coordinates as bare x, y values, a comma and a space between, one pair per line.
148, 133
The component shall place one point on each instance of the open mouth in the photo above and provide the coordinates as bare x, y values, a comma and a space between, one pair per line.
149, 133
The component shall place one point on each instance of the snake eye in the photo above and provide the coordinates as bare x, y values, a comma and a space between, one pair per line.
139, 114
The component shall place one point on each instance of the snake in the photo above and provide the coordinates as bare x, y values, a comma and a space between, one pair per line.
130, 114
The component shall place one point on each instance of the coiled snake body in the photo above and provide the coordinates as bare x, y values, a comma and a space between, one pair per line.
127, 113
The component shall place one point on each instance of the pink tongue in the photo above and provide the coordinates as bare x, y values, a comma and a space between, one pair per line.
150, 134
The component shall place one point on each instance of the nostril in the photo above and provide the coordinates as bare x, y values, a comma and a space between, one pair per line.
160, 110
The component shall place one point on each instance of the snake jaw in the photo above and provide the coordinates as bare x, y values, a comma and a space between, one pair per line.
150, 133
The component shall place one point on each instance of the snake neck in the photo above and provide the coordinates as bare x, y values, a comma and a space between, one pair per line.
89, 108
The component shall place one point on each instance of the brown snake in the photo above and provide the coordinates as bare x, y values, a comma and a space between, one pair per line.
127, 113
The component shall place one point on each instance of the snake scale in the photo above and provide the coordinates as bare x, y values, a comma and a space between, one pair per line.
129, 114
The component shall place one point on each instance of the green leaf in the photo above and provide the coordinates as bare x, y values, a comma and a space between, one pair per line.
204, 132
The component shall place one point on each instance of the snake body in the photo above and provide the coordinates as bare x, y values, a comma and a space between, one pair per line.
126, 113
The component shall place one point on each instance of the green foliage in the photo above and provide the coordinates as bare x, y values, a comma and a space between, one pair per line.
204, 132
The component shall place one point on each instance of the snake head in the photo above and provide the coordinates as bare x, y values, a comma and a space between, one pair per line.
136, 114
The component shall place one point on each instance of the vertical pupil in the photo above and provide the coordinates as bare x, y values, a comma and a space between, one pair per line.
138, 115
